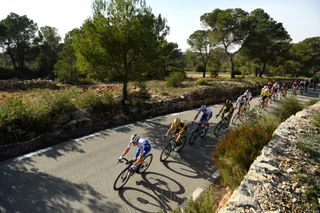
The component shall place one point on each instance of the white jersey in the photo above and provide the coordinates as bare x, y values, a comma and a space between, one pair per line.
208, 111
142, 143
241, 100
248, 95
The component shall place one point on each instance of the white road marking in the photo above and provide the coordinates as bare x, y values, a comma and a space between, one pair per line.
174, 114
33, 153
196, 193
121, 127
216, 174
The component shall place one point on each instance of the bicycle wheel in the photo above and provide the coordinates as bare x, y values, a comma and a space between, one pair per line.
235, 118
218, 128
122, 178
165, 152
146, 163
182, 142
194, 136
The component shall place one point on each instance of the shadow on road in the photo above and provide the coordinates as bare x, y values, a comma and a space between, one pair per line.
162, 191
25, 190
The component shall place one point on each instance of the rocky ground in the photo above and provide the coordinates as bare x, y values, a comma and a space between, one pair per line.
286, 176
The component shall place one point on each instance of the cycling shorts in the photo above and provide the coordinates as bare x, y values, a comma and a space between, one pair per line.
205, 117
147, 149
264, 97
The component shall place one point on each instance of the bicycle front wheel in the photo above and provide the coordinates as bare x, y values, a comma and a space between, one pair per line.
218, 128
235, 118
146, 163
182, 142
122, 179
193, 136
165, 152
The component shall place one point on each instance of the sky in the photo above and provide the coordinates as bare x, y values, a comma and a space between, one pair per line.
301, 18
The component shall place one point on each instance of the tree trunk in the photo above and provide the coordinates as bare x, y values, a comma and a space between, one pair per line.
232, 67
12, 59
204, 70
263, 69
124, 92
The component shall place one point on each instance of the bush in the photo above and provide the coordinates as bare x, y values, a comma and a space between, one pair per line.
96, 103
236, 152
202, 82
175, 79
59, 102
12, 113
288, 107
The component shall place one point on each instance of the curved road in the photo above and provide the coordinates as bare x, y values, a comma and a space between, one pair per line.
78, 175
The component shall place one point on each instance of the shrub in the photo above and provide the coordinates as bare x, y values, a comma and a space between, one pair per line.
316, 120
96, 103
288, 107
236, 152
12, 113
59, 102
175, 79
202, 82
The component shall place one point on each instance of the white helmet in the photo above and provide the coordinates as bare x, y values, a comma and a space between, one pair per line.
135, 138
203, 107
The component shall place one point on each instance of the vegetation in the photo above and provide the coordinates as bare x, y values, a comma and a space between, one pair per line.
238, 149
175, 79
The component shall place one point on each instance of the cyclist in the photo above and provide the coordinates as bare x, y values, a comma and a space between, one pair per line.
207, 114
265, 93
177, 129
143, 148
227, 108
295, 86
248, 96
240, 104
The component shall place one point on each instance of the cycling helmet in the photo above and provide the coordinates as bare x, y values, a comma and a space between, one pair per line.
228, 101
135, 138
203, 107
176, 121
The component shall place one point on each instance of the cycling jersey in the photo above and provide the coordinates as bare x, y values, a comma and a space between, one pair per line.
241, 100
265, 93
207, 114
181, 128
143, 144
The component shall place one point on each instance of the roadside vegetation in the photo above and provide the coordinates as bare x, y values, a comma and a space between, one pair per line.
239, 148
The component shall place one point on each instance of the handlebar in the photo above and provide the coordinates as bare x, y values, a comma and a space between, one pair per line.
123, 160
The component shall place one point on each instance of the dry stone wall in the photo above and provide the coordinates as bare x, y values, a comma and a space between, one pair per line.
272, 183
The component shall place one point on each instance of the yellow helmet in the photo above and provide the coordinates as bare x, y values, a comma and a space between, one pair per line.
176, 122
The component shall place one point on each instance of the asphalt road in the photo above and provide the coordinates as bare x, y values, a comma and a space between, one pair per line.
78, 175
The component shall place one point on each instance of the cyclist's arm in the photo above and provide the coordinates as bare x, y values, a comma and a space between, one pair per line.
195, 118
169, 130
126, 151
221, 110
180, 133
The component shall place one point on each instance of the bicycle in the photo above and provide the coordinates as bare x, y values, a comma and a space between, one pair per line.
201, 130
125, 175
239, 115
223, 124
171, 146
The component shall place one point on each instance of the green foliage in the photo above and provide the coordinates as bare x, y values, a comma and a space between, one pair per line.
316, 120
17, 33
14, 114
96, 103
288, 107
200, 68
207, 202
175, 79
202, 82
65, 69
201, 41
122, 41
230, 28
59, 102
236, 152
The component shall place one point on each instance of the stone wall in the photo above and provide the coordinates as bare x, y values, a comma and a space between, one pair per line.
272, 183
